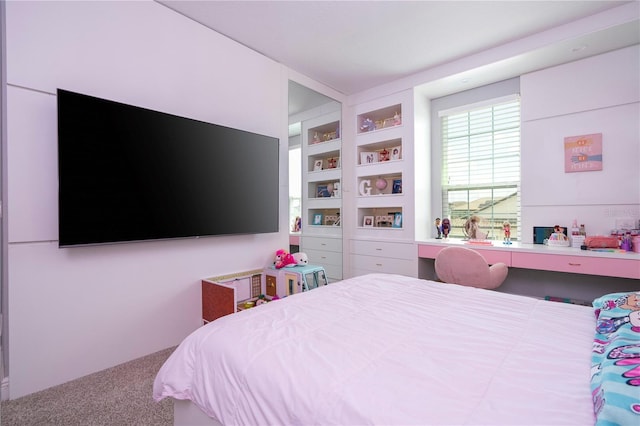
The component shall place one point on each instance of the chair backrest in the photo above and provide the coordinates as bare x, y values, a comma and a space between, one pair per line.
464, 266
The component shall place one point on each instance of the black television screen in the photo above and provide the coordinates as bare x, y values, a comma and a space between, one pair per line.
127, 173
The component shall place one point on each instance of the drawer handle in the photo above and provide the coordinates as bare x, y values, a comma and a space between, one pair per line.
575, 264
379, 249
323, 244
378, 264
322, 257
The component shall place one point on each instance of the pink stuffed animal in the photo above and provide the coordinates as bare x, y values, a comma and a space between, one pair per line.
283, 258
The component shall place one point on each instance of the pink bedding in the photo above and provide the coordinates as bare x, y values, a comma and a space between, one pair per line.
389, 349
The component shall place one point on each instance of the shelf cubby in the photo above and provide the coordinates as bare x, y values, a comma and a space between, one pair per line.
324, 189
324, 133
379, 119
380, 218
324, 161
323, 218
379, 152
378, 185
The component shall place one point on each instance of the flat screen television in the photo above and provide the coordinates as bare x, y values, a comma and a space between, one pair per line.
128, 174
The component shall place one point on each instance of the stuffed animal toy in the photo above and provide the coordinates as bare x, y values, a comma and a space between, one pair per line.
301, 259
283, 258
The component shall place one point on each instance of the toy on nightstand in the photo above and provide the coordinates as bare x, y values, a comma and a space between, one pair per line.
283, 258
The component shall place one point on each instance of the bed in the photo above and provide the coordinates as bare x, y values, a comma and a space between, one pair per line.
389, 350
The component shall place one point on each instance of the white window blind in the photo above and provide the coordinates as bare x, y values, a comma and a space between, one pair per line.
481, 166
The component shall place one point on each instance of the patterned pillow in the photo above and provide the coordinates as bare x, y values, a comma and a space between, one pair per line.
615, 366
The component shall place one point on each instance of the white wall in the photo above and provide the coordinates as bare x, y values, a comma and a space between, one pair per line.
600, 94
75, 311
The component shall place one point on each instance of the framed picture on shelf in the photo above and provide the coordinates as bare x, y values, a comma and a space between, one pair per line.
368, 157
384, 221
383, 155
396, 152
333, 162
317, 219
336, 189
330, 219
397, 186
367, 222
317, 165
322, 191
397, 220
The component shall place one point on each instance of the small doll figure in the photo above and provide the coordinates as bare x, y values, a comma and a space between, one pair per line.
397, 120
558, 234
506, 227
297, 224
472, 228
438, 228
626, 243
446, 227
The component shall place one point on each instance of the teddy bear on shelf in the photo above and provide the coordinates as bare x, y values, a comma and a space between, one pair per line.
283, 258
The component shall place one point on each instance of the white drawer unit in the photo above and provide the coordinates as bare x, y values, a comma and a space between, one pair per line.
324, 257
398, 250
334, 272
383, 256
387, 265
325, 251
322, 243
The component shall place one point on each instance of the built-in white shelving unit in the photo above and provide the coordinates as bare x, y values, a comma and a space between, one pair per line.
321, 236
382, 238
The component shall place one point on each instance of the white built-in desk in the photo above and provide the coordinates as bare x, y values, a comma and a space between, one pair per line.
545, 258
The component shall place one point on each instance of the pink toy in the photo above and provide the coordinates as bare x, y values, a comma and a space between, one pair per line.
283, 258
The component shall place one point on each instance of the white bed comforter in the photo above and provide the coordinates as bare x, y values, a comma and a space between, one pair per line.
390, 350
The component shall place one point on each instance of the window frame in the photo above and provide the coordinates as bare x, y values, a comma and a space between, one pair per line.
512, 180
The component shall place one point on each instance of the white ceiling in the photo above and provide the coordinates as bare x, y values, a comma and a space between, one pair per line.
352, 46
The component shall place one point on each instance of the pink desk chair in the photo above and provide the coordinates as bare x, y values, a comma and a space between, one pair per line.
464, 266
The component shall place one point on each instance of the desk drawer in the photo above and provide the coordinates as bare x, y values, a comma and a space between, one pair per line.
384, 249
625, 268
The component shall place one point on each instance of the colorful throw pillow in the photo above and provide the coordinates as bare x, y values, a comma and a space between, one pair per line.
615, 366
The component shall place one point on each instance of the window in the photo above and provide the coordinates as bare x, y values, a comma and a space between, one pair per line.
481, 166
295, 185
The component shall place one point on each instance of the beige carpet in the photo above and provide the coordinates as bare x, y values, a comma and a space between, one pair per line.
117, 396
